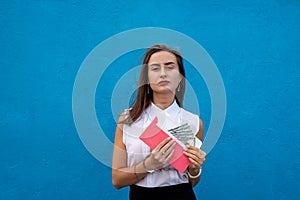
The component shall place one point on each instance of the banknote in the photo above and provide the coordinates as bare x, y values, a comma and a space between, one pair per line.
184, 134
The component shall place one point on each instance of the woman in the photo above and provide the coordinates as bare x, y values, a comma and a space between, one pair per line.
160, 93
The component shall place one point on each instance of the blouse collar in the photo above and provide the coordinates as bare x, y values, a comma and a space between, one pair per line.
172, 112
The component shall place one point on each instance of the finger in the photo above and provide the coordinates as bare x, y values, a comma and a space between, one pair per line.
195, 159
194, 163
167, 151
202, 154
193, 149
169, 156
191, 155
198, 152
193, 167
163, 143
168, 147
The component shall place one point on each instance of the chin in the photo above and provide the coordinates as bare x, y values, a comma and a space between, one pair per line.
164, 90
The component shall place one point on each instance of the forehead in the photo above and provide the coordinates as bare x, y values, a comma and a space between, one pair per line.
162, 57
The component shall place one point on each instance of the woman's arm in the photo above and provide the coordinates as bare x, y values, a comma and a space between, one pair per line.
121, 174
196, 156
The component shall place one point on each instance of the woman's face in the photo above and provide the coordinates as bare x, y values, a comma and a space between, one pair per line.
163, 72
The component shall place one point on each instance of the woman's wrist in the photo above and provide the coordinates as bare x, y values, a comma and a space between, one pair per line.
135, 173
195, 173
147, 167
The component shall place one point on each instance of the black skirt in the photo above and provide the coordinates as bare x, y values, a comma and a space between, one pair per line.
175, 192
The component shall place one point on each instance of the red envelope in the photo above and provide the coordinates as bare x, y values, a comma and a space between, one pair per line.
153, 135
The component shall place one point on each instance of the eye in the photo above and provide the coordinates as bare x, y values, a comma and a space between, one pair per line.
155, 67
170, 67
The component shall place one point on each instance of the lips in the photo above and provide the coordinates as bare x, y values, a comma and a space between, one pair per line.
163, 82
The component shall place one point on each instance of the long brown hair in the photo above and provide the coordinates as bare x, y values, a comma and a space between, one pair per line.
145, 94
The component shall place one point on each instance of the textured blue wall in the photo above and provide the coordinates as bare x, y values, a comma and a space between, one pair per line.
255, 45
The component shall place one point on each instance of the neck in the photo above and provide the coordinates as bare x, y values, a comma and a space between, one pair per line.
163, 101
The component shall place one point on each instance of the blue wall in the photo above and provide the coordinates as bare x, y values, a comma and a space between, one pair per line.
254, 44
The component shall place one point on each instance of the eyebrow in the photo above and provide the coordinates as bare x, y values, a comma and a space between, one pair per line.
167, 63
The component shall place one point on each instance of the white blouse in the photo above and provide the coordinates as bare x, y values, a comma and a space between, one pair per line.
137, 150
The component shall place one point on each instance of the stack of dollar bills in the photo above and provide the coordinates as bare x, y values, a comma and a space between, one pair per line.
184, 134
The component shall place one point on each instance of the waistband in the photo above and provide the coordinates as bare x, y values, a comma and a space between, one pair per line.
183, 191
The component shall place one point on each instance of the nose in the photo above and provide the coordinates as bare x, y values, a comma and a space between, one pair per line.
163, 73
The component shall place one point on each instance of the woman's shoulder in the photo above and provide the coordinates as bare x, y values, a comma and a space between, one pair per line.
192, 119
126, 117
125, 112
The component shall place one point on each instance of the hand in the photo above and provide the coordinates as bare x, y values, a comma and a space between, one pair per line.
162, 154
197, 158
